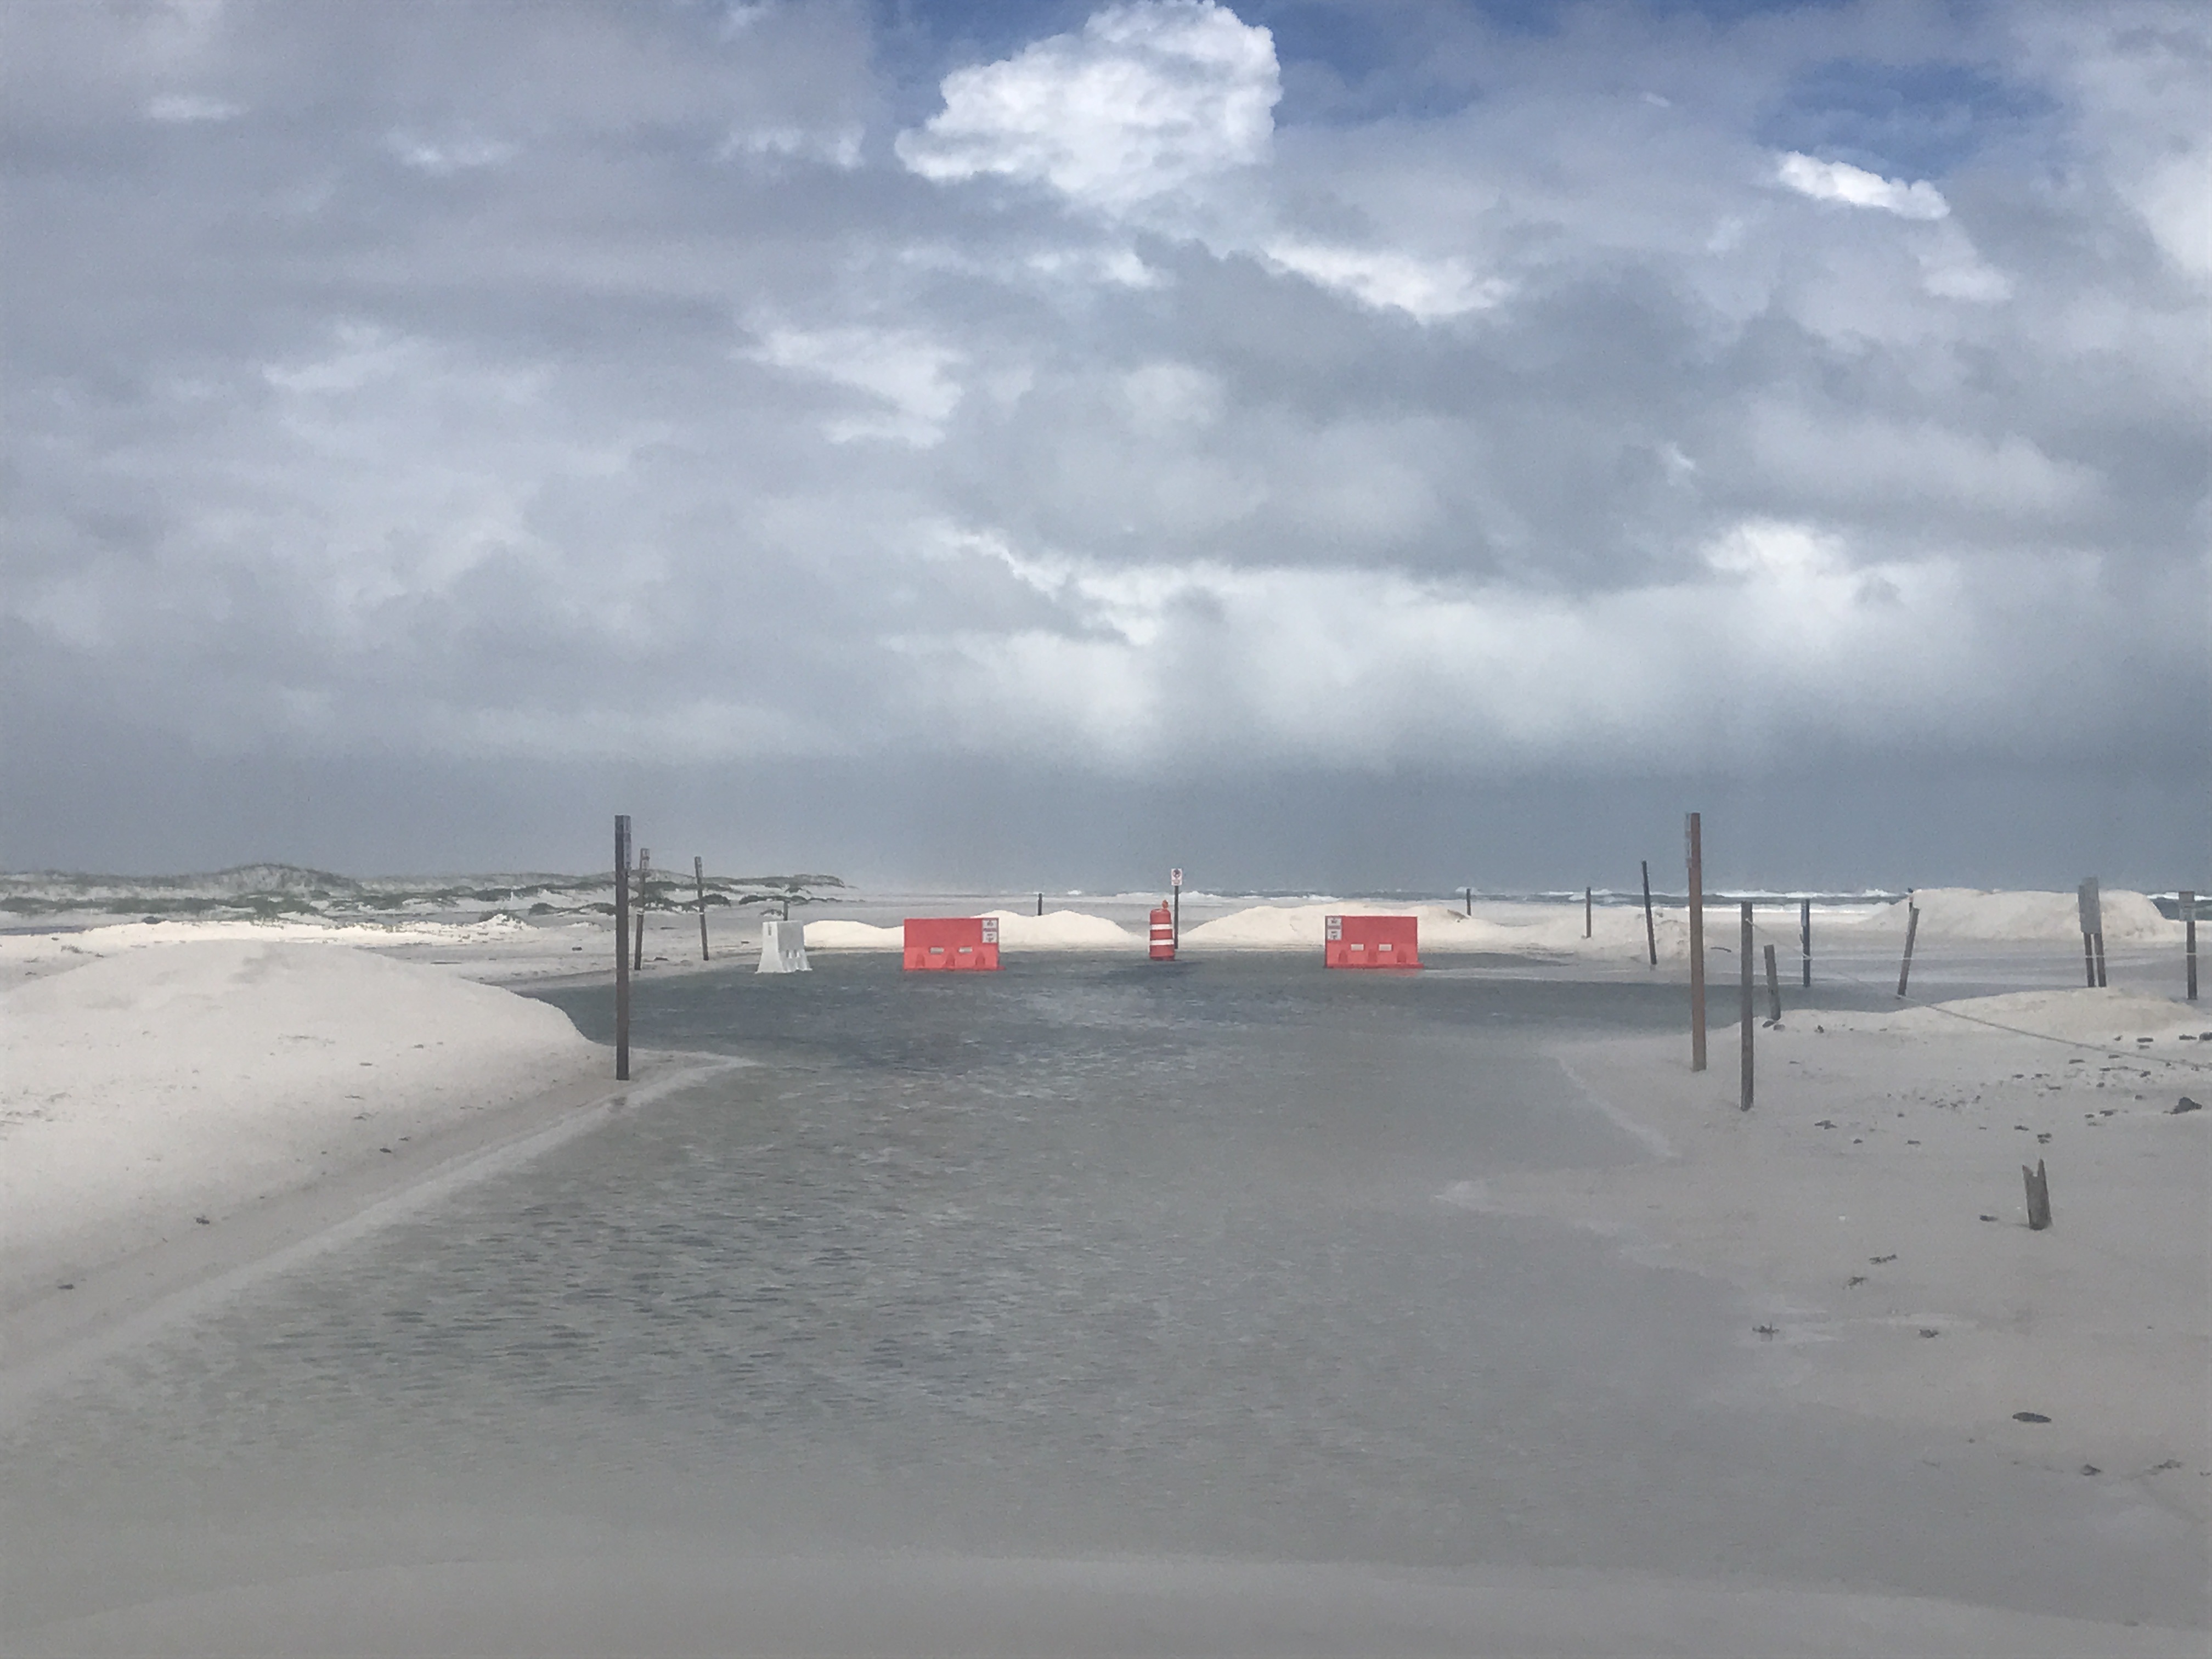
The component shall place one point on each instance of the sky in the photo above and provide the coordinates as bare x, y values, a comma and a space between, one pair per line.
1322, 443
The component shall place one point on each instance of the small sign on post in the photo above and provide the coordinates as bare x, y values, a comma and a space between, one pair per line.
2091, 908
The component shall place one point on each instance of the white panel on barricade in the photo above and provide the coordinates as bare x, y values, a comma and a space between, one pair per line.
783, 946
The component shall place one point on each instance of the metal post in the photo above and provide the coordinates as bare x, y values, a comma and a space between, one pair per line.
2189, 937
1175, 888
1470, 901
1805, 936
1651, 932
644, 874
2090, 905
699, 875
1773, 990
1691, 832
1743, 1010
1586, 913
2099, 938
1040, 903
1911, 932
622, 947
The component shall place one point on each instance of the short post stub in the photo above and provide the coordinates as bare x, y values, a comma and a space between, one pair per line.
1743, 954
2038, 1196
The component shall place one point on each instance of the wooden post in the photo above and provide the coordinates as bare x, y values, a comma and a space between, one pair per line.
1805, 937
1586, 913
2188, 908
1743, 950
2038, 1196
1773, 990
1691, 834
622, 947
1651, 932
699, 875
644, 873
1912, 932
1470, 901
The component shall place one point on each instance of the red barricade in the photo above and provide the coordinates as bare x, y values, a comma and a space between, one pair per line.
1373, 942
952, 943
1164, 938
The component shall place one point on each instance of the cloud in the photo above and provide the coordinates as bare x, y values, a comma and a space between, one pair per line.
1839, 181
1459, 407
1425, 289
907, 393
442, 158
1148, 100
187, 107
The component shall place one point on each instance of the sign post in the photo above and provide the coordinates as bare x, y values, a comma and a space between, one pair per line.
1175, 889
622, 947
2092, 907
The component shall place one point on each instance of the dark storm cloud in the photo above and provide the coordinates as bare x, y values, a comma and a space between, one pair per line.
1300, 387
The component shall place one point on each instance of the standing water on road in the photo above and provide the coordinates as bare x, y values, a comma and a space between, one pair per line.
1087, 1259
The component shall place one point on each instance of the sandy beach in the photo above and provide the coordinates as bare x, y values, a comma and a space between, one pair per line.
1873, 1201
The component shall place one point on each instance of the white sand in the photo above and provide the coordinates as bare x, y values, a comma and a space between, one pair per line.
147, 1088
1056, 930
1966, 913
1873, 1203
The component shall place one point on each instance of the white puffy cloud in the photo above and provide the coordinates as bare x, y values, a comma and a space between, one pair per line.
1148, 99
1388, 280
1839, 181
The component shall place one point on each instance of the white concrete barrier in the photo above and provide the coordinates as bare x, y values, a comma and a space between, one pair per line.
783, 946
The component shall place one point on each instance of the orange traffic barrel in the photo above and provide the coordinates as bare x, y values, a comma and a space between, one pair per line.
1163, 939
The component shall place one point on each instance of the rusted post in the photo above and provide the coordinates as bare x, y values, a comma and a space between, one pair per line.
1691, 833
622, 947
1651, 932
2189, 937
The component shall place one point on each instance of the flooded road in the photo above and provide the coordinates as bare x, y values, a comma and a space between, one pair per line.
1086, 1260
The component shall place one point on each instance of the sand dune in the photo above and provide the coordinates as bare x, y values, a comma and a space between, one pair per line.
147, 1088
